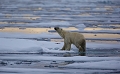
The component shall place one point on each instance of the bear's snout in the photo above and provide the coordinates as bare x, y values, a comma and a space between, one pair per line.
56, 28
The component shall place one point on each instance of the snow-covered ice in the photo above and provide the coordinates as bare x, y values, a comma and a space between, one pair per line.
37, 48
26, 45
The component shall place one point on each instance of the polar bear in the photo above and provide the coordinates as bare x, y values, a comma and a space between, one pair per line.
72, 38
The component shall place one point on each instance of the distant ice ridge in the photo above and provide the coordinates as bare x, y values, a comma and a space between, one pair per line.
80, 26
49, 24
23, 35
41, 24
90, 0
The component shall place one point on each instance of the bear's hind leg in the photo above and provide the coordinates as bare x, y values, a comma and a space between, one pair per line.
83, 45
81, 50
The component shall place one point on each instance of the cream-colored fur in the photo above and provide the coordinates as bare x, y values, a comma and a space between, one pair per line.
72, 38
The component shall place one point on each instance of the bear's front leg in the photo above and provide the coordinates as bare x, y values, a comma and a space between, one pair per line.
68, 46
63, 48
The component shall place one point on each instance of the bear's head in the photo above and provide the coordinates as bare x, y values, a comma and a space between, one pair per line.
60, 31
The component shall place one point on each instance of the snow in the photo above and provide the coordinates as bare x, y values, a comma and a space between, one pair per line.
25, 45
22, 45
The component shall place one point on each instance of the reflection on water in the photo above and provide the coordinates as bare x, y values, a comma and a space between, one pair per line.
93, 29
26, 30
84, 14
101, 35
23, 16
31, 18
3, 22
35, 9
31, 30
46, 30
10, 23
